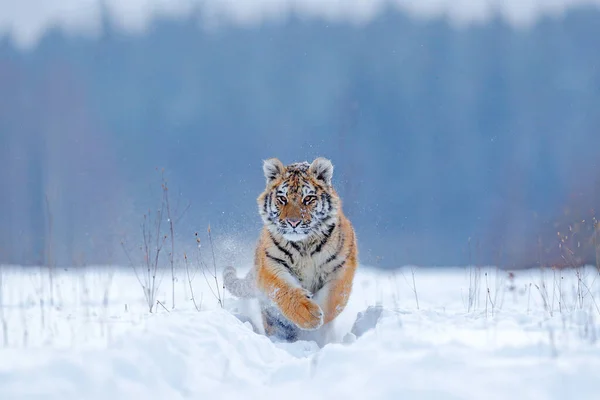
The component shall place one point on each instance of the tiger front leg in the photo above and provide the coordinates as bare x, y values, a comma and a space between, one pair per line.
278, 326
334, 296
294, 302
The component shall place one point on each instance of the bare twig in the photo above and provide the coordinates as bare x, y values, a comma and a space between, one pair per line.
413, 286
50, 249
171, 231
528, 298
187, 269
488, 297
137, 276
596, 243
474, 279
491, 302
182, 213
544, 295
162, 305
589, 292
153, 240
205, 270
212, 248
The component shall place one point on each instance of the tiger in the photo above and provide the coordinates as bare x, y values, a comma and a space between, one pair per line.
306, 256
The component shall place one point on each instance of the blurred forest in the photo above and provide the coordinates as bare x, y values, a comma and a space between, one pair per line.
451, 145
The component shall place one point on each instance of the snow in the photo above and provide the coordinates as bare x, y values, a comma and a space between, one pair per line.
89, 335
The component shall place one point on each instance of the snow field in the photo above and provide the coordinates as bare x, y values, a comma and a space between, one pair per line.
87, 334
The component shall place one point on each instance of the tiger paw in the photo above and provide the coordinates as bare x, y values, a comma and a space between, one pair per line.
304, 312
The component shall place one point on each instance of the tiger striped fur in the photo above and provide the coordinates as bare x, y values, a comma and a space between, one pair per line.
306, 257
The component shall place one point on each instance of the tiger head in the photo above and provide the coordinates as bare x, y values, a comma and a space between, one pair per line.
299, 200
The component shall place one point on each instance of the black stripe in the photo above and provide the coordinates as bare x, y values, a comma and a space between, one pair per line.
320, 283
350, 249
340, 265
326, 237
295, 246
331, 258
318, 187
265, 205
282, 249
326, 200
278, 260
337, 251
326, 219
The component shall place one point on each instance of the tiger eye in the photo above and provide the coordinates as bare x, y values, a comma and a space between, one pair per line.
309, 199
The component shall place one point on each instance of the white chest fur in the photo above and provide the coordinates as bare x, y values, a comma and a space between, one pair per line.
313, 271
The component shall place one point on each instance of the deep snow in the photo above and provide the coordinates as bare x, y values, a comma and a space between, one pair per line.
96, 339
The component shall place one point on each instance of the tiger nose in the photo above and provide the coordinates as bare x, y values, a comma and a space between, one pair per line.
294, 222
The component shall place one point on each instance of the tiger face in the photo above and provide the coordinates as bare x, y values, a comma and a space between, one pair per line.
299, 200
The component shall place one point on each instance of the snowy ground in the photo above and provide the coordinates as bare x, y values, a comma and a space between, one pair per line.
91, 336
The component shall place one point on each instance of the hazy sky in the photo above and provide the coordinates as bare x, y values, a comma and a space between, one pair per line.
26, 20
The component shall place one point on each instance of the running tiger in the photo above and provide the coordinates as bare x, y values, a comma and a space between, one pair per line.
306, 257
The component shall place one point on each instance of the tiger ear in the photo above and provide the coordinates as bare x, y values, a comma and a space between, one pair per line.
322, 169
272, 169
